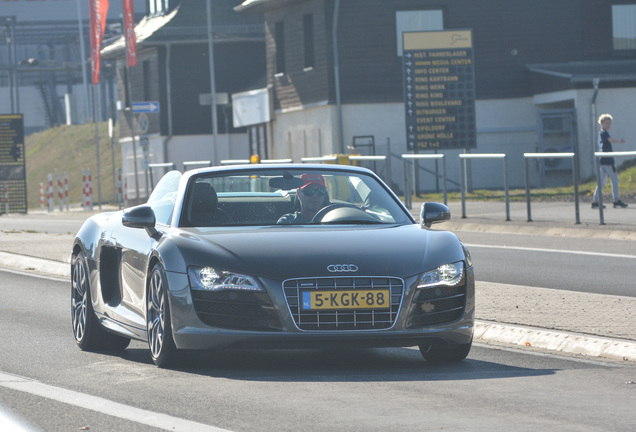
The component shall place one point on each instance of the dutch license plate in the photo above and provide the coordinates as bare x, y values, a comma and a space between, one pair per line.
346, 299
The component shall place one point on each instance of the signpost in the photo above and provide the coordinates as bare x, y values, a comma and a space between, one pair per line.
439, 90
12, 164
145, 107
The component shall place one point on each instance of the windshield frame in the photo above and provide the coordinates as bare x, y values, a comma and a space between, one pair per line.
399, 214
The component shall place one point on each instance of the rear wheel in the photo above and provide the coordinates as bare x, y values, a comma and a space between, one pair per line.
162, 348
89, 334
446, 353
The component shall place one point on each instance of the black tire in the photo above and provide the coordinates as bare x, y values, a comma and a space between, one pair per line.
445, 353
160, 341
86, 329
88, 332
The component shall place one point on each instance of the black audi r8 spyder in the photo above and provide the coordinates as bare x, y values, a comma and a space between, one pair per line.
272, 256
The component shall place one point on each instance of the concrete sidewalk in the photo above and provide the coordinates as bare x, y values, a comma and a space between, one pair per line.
593, 325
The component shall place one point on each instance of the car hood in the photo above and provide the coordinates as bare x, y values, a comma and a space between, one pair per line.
295, 251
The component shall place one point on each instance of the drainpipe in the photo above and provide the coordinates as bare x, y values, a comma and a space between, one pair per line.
336, 72
169, 102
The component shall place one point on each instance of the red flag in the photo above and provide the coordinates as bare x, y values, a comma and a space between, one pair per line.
129, 31
98, 11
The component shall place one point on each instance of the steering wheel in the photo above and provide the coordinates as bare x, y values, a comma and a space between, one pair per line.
323, 211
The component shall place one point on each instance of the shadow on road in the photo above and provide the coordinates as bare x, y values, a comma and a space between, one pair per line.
344, 365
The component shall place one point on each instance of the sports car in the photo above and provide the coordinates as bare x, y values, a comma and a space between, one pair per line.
272, 256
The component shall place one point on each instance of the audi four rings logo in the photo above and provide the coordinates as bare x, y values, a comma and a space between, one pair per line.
340, 268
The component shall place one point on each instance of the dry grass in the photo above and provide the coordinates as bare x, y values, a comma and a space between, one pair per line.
69, 149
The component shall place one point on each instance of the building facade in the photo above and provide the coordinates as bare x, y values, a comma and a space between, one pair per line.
543, 71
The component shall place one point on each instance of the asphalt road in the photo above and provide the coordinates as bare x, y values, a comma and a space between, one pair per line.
47, 380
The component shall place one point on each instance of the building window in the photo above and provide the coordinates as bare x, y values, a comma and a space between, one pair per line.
418, 20
279, 41
156, 7
624, 26
308, 40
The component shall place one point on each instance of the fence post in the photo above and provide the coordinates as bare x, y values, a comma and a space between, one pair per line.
407, 185
575, 175
599, 189
525, 160
462, 174
506, 194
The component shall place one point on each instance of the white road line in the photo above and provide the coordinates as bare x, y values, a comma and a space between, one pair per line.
564, 251
104, 406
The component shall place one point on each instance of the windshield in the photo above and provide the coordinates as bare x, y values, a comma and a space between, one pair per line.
163, 197
294, 196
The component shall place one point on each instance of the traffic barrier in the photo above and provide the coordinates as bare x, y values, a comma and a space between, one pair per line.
49, 194
88, 189
414, 158
501, 156
526, 156
42, 196
60, 195
66, 191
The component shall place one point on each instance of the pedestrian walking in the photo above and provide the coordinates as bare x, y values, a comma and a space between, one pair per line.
608, 164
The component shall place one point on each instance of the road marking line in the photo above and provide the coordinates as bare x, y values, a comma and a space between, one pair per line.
104, 406
608, 255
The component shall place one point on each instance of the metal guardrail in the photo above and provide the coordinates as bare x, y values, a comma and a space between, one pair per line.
276, 161
320, 159
234, 161
501, 156
203, 163
575, 170
598, 156
412, 158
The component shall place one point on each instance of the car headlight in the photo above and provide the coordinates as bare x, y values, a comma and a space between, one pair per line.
210, 279
444, 275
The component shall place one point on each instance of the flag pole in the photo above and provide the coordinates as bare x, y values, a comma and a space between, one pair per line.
83, 61
99, 172
212, 82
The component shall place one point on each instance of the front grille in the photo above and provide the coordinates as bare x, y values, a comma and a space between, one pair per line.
355, 319
236, 310
438, 305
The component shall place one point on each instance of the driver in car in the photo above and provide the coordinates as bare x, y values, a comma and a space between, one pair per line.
312, 196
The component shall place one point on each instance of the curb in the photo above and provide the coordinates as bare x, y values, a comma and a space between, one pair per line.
557, 341
35, 265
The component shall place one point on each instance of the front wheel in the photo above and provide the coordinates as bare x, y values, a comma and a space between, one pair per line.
450, 353
86, 329
88, 332
162, 348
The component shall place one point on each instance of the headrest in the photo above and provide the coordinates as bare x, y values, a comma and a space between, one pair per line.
204, 198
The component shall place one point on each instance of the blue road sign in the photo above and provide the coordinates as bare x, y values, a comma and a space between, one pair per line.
145, 107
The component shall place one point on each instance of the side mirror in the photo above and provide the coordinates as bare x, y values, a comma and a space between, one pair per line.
140, 217
433, 212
